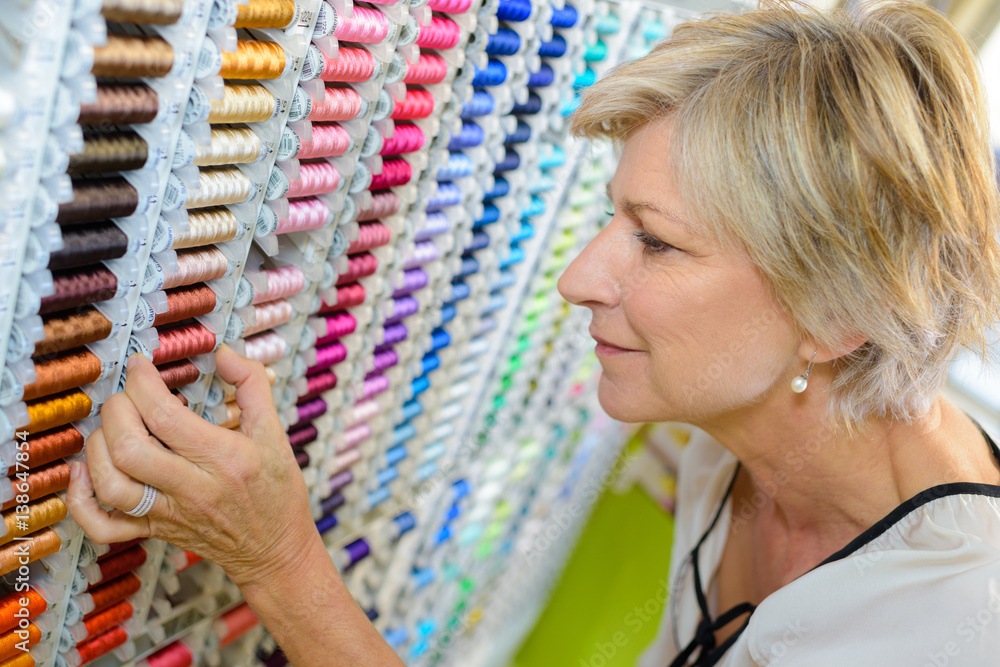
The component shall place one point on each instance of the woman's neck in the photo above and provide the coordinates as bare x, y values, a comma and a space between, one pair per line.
811, 478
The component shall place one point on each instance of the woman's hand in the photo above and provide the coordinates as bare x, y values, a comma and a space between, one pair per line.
236, 498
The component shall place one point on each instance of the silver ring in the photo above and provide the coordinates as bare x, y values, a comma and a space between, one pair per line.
149, 494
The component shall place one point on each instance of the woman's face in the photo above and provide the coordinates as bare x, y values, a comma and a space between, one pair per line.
686, 329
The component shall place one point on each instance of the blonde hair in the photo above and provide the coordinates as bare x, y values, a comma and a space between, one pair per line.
847, 153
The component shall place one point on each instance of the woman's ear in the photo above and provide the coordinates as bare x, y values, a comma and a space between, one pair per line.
827, 353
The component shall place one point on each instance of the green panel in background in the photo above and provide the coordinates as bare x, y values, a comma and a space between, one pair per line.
607, 607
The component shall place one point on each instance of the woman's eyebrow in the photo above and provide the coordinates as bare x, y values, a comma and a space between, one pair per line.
632, 207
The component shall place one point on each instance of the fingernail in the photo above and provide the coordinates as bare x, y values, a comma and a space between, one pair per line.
74, 470
132, 360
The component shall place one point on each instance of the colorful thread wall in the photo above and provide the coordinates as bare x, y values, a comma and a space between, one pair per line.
375, 200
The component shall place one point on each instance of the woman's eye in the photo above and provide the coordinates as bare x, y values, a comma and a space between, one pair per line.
651, 244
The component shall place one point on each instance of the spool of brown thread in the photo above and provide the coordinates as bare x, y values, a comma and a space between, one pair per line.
158, 12
118, 150
64, 331
79, 287
68, 370
41, 482
98, 199
178, 374
53, 445
121, 103
40, 545
186, 302
133, 56
89, 244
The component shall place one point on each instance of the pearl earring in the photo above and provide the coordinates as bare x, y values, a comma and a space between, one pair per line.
800, 382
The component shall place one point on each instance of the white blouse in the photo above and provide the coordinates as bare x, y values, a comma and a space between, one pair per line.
921, 588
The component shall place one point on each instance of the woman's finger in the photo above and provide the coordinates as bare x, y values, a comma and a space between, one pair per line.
113, 487
101, 526
173, 424
258, 417
134, 452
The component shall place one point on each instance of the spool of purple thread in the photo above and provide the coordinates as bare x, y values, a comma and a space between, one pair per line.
437, 223
413, 279
300, 437
355, 435
374, 386
423, 253
331, 503
356, 551
394, 333
403, 307
385, 359
340, 480
311, 410
302, 458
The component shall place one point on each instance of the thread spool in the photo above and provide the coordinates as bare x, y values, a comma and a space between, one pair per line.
419, 103
304, 214
545, 76
314, 178
318, 383
11, 644
71, 369
282, 282
266, 14
504, 42
80, 287
450, 6
57, 410
352, 65
207, 226
243, 103
494, 74
270, 315
531, 106
89, 244
327, 356
183, 341
406, 138
459, 165
157, 12
327, 141
448, 194
383, 205
178, 374
121, 103
186, 302
358, 266
114, 566
554, 48
109, 593
413, 280
229, 145
481, 104
118, 150
395, 172
219, 186
41, 482
43, 543
11, 604
442, 33
300, 437
172, 655
469, 136
40, 514
253, 59
51, 446
93, 649
520, 135
429, 69
267, 347
98, 623
435, 224
368, 26
98, 199
348, 296
370, 235
337, 104
565, 17
22, 660
130, 56
196, 265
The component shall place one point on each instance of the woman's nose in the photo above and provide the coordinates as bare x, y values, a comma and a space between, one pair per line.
590, 280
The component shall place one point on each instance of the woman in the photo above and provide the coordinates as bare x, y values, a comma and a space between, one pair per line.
805, 232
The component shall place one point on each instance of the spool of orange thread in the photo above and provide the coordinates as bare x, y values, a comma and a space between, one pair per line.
183, 341
100, 622
92, 649
41, 514
52, 446
22, 660
68, 370
266, 14
40, 545
11, 642
58, 410
178, 374
11, 603
109, 593
40, 482
186, 302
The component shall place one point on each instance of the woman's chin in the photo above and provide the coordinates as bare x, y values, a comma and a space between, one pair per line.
625, 404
